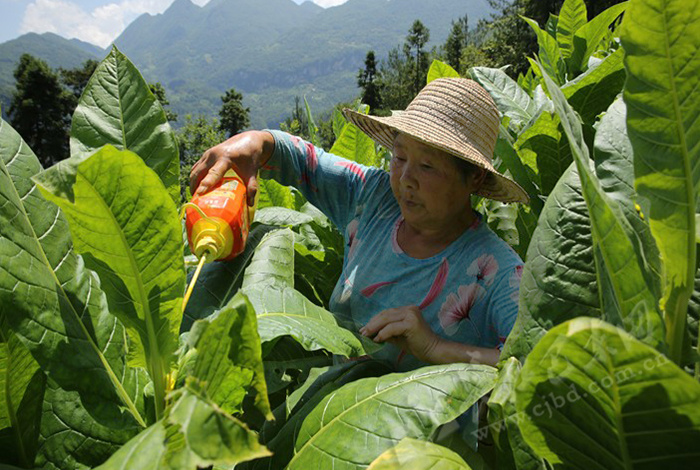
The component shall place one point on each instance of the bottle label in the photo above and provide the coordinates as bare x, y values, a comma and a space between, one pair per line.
230, 185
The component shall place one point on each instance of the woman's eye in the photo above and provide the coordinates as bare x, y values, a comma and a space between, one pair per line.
426, 166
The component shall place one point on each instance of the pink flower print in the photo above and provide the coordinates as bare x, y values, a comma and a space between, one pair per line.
353, 243
484, 268
311, 158
354, 167
457, 307
369, 290
438, 284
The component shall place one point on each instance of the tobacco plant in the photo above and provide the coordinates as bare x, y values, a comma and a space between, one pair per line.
101, 367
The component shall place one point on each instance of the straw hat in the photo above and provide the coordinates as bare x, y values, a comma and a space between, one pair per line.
455, 115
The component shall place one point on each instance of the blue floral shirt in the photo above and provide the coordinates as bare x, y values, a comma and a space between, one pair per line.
467, 293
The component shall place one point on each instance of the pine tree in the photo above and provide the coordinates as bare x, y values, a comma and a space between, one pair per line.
416, 40
234, 117
367, 80
456, 42
40, 110
158, 91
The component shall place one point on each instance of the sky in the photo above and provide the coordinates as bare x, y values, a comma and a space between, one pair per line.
95, 21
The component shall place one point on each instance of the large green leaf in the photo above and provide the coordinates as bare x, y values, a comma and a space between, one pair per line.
218, 282
589, 36
510, 98
545, 143
22, 384
572, 16
592, 92
418, 455
663, 98
440, 69
193, 434
282, 311
273, 261
126, 225
513, 451
51, 301
229, 357
118, 108
280, 436
592, 397
355, 145
559, 272
338, 434
628, 296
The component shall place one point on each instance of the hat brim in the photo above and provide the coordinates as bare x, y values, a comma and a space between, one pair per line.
383, 130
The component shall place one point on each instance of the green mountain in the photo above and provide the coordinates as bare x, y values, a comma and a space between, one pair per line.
55, 50
273, 50
270, 50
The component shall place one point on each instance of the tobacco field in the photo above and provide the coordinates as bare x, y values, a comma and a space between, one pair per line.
101, 368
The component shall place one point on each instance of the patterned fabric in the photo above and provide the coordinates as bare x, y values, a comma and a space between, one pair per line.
467, 293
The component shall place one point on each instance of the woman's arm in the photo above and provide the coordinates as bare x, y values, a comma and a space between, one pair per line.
406, 328
245, 153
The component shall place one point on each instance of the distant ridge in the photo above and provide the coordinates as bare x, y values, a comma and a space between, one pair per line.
270, 50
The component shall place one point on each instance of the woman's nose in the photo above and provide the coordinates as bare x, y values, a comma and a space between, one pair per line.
408, 176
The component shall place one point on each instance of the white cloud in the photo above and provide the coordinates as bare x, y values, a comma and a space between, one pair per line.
99, 26
329, 3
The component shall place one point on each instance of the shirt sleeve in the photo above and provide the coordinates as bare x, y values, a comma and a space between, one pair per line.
331, 183
503, 307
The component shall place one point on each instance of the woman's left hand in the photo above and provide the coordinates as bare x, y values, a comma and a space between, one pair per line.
406, 328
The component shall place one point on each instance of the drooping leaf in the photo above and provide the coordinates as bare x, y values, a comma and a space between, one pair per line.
512, 450
126, 225
22, 384
52, 302
229, 357
219, 281
435, 395
572, 16
440, 69
593, 397
118, 108
594, 91
510, 98
589, 36
193, 434
418, 455
662, 93
627, 294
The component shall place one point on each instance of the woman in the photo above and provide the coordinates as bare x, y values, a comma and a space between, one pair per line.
422, 272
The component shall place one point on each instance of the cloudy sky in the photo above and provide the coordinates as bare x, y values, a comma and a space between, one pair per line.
94, 21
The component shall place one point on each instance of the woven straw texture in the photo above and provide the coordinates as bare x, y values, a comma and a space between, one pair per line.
455, 115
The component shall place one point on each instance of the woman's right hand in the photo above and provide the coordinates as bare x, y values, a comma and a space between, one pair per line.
244, 153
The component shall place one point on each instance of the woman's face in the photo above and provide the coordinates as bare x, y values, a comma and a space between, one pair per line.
429, 187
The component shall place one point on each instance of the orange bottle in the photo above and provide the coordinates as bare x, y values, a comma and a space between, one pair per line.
224, 230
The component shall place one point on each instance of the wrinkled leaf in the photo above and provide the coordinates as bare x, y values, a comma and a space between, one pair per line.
193, 434
593, 397
118, 108
435, 395
572, 16
50, 300
627, 294
126, 226
272, 261
511, 100
663, 99
229, 357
